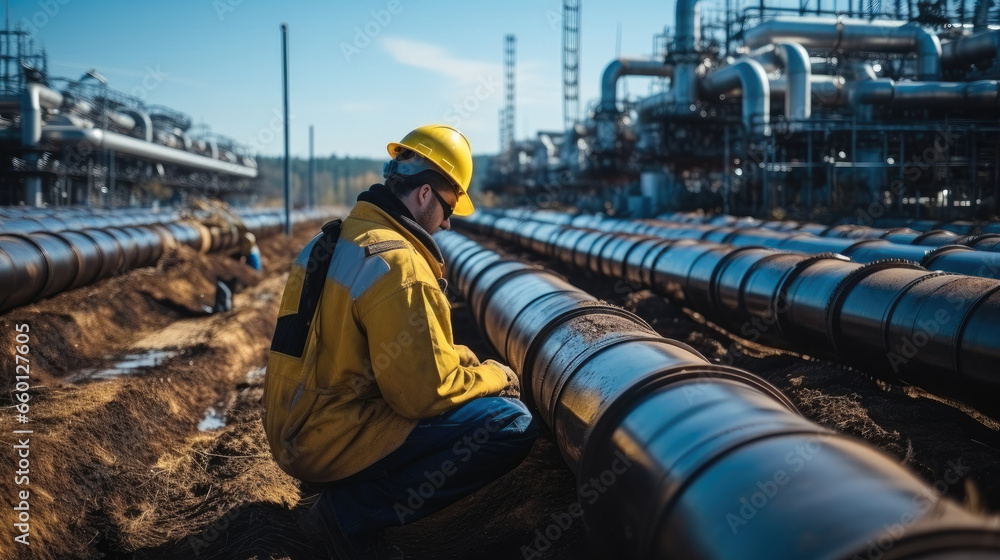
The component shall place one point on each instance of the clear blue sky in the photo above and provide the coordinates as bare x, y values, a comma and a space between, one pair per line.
220, 62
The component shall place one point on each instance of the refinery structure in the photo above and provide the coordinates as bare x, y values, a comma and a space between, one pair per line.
868, 110
80, 142
754, 309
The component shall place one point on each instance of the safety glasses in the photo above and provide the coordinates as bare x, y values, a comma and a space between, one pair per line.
444, 205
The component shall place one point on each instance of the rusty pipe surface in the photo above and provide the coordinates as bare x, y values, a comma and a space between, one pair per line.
36, 263
891, 317
676, 457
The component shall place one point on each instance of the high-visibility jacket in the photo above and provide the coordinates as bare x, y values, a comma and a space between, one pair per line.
378, 356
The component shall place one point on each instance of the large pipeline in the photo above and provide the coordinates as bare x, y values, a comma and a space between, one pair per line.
13, 220
38, 264
891, 318
985, 238
881, 226
977, 255
679, 458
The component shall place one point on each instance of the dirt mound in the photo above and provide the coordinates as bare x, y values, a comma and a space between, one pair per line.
79, 329
118, 464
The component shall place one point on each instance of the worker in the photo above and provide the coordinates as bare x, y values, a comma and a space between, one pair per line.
366, 391
250, 252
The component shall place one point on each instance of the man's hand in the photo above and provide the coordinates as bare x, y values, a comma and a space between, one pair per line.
513, 388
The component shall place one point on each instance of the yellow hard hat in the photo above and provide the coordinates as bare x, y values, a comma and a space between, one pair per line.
448, 150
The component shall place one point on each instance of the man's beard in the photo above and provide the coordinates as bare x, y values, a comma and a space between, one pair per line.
426, 219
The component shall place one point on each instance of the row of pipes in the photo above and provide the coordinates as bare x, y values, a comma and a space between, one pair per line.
931, 228
14, 221
676, 457
940, 250
891, 318
39, 263
781, 44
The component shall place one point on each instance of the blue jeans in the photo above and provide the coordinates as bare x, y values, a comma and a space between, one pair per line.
444, 459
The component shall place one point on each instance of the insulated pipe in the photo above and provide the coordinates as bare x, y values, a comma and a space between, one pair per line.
667, 448
63, 220
71, 136
627, 67
985, 241
826, 91
972, 48
142, 119
926, 94
890, 317
748, 75
852, 35
687, 15
35, 97
38, 264
798, 101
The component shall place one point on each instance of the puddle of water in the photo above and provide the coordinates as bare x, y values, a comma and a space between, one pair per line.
256, 374
127, 365
215, 418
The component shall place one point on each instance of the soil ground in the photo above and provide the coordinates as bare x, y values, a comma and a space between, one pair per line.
119, 467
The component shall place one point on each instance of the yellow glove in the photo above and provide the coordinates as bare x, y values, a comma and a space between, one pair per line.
513, 388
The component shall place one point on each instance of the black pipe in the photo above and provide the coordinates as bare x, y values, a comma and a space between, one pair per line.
914, 227
928, 249
890, 317
40, 264
679, 458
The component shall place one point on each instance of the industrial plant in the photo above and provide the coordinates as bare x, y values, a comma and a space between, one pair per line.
750, 312
81, 142
869, 112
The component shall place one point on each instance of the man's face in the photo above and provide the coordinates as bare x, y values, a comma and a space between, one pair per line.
431, 215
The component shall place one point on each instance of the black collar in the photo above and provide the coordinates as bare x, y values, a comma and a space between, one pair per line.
382, 197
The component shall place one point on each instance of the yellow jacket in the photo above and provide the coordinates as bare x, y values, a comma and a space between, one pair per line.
378, 356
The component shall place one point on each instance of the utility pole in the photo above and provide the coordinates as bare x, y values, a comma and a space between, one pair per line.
288, 155
312, 171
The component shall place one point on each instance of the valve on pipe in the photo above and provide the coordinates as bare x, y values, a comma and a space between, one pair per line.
679, 458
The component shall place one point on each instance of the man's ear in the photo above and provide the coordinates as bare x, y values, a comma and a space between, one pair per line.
423, 195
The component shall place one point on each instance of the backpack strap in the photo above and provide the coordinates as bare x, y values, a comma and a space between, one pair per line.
291, 330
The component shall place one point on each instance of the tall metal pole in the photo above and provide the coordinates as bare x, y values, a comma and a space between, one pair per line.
288, 155
312, 171
508, 111
571, 63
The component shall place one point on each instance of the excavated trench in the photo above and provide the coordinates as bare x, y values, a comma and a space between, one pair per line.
147, 463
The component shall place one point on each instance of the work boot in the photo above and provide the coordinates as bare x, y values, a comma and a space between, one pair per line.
323, 530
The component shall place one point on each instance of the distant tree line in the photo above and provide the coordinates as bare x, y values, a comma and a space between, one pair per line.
339, 180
